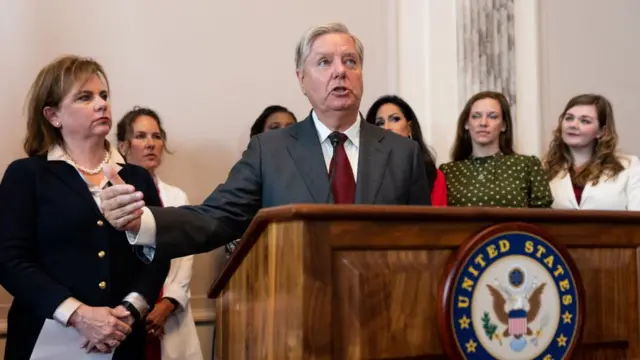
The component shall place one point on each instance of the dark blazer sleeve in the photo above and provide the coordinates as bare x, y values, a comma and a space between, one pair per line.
222, 218
149, 282
420, 191
19, 272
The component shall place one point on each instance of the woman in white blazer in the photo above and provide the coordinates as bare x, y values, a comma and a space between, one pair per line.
585, 169
171, 329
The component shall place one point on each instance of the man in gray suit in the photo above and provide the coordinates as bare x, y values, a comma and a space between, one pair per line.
331, 156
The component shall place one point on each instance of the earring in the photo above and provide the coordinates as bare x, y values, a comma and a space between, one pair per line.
56, 124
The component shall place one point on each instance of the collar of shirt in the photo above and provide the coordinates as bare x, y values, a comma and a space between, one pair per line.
353, 132
486, 157
56, 153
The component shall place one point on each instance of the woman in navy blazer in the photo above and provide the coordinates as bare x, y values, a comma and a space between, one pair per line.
60, 259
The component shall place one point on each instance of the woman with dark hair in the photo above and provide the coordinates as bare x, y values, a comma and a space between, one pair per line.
583, 162
392, 113
171, 331
273, 117
485, 170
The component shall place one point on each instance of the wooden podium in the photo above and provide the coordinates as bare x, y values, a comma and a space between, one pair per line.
361, 282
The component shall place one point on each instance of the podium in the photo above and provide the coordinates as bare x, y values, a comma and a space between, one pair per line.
362, 281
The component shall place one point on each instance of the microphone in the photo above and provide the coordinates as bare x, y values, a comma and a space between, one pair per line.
334, 138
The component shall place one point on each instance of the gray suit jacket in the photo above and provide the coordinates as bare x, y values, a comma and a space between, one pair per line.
285, 167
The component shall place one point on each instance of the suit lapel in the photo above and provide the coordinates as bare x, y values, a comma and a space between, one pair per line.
372, 162
586, 194
70, 177
305, 149
566, 188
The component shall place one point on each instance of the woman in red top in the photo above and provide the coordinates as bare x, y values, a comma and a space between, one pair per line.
394, 114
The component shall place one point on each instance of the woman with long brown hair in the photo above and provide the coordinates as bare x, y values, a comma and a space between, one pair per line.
585, 169
485, 170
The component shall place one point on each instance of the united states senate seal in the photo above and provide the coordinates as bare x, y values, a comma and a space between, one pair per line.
512, 293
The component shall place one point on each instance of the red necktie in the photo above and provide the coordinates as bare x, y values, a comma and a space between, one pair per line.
343, 185
153, 348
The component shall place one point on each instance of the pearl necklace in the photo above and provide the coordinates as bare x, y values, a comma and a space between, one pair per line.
107, 156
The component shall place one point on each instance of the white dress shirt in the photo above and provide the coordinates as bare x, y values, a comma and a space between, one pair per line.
621, 192
146, 237
68, 306
351, 146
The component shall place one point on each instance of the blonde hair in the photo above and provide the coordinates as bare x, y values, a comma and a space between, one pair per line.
603, 161
50, 87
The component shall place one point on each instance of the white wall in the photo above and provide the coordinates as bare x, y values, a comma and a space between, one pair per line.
591, 46
427, 68
18, 55
208, 67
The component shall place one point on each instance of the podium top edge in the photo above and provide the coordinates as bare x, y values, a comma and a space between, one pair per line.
432, 213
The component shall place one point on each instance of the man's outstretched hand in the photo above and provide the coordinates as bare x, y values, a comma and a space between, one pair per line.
121, 204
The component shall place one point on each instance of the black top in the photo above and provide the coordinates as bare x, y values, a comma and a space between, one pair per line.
55, 243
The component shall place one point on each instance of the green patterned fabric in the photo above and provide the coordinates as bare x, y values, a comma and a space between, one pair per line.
497, 181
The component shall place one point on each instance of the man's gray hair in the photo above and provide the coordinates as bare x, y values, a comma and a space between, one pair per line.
304, 45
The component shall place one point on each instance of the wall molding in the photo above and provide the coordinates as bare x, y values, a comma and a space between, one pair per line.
203, 309
485, 32
428, 74
204, 316
427, 68
528, 129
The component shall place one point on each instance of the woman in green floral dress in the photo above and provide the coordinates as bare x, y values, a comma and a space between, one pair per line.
485, 170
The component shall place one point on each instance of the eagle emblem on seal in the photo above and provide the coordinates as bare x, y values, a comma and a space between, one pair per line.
516, 306
511, 294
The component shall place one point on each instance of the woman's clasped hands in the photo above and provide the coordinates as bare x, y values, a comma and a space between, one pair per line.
103, 327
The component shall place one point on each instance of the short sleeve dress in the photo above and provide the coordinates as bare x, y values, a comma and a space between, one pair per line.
511, 181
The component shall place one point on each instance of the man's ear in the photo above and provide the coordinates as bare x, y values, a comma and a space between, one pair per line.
300, 76
51, 114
